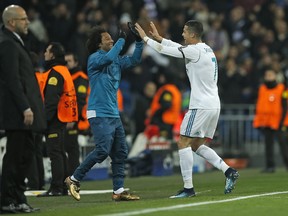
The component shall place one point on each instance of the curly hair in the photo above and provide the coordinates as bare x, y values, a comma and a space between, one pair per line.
94, 39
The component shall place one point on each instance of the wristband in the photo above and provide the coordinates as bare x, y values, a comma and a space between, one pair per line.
146, 39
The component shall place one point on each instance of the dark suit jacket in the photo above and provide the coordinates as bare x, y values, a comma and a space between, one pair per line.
19, 88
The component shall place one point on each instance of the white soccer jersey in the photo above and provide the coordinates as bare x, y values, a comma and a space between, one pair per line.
201, 68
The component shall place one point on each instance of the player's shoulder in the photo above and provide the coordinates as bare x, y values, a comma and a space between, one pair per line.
204, 47
199, 46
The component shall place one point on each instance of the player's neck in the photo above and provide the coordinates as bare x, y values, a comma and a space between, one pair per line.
195, 41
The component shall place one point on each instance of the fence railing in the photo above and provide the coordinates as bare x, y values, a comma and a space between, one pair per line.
235, 132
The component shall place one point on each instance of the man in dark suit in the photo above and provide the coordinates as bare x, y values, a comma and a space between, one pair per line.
21, 109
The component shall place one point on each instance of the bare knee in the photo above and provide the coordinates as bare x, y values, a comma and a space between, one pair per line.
193, 142
195, 146
183, 142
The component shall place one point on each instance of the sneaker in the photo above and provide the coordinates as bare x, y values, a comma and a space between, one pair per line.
9, 208
73, 187
25, 208
184, 193
231, 178
124, 196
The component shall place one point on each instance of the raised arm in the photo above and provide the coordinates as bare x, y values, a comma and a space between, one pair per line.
177, 51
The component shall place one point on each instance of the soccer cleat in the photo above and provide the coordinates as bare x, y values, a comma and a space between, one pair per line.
184, 193
73, 187
231, 180
124, 196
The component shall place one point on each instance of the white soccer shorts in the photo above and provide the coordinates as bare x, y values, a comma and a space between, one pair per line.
200, 123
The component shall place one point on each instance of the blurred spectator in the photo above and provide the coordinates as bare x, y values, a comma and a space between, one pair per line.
147, 8
177, 21
231, 83
152, 63
142, 105
271, 109
248, 4
236, 25
166, 106
36, 26
59, 24
198, 10
281, 36
255, 35
217, 38
76, 43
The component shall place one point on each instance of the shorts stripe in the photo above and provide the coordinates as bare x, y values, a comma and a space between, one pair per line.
190, 122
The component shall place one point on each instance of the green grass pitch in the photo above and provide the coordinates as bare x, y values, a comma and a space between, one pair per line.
252, 196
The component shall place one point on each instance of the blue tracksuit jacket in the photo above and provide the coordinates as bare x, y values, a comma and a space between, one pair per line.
104, 72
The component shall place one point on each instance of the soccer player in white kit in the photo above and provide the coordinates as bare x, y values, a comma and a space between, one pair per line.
200, 121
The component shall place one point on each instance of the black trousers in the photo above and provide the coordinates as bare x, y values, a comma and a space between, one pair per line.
270, 136
56, 153
72, 149
16, 163
35, 176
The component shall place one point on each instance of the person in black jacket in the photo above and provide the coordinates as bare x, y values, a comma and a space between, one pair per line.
59, 114
21, 109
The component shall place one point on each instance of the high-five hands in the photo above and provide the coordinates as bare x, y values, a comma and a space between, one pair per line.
134, 31
141, 32
154, 32
122, 34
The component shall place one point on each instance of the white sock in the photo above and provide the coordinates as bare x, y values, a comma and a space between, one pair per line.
73, 178
119, 191
211, 156
186, 165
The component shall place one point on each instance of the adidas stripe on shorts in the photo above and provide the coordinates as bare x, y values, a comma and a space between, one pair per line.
200, 123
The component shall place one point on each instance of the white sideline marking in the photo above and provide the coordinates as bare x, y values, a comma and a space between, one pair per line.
82, 192
151, 210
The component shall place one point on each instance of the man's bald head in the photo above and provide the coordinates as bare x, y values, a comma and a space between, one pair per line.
15, 19
11, 12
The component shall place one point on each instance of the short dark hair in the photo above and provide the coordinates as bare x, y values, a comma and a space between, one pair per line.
58, 50
196, 27
75, 56
94, 39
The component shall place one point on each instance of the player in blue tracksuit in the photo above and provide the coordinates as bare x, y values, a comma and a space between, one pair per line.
104, 72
